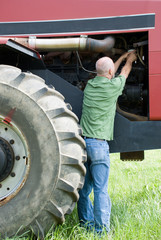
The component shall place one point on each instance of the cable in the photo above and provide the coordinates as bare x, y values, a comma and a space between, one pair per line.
138, 54
82, 64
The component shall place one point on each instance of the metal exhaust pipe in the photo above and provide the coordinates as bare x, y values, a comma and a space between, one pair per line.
70, 44
66, 44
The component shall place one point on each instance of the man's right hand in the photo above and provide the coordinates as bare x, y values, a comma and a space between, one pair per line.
132, 56
128, 66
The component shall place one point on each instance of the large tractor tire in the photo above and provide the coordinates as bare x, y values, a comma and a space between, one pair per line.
41, 154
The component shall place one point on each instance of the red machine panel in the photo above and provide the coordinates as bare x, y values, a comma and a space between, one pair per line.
155, 97
155, 63
40, 10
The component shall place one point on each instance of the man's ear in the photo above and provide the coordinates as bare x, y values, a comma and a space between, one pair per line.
110, 72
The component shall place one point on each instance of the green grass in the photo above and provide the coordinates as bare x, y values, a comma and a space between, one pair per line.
135, 191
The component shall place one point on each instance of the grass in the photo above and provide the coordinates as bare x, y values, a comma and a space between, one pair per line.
135, 191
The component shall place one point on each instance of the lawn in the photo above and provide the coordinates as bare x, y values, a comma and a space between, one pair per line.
135, 191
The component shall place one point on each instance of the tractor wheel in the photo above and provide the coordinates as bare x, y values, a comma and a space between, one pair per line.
41, 154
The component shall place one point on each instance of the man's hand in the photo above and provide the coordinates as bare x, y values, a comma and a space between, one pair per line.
132, 56
125, 55
120, 60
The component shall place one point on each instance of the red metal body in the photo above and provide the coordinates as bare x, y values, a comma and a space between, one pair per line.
49, 10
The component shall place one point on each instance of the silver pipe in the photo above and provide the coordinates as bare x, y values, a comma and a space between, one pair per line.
57, 44
66, 44
104, 45
70, 44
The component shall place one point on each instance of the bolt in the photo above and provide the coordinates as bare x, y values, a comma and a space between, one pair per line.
12, 141
13, 174
17, 158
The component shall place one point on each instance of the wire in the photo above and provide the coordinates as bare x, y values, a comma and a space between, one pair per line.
82, 64
138, 54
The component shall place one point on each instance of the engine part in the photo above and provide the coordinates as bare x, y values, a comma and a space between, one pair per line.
66, 44
133, 93
139, 44
131, 116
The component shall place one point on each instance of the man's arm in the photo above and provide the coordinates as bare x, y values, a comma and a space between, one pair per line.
128, 66
120, 60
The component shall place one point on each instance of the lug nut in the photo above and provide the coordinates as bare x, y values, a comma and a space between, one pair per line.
17, 158
12, 141
13, 174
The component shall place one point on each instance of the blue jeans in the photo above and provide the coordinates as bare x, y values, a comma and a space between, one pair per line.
97, 166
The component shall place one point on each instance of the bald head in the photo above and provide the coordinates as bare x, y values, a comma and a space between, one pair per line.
104, 66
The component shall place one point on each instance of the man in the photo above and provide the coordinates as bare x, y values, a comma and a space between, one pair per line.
97, 121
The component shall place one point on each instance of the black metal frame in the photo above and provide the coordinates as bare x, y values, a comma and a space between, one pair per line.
78, 26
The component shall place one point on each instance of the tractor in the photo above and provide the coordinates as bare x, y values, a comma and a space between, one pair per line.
48, 51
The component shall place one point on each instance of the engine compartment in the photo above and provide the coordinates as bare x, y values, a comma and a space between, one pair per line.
78, 67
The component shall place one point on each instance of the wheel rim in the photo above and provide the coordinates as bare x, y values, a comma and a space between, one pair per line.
14, 160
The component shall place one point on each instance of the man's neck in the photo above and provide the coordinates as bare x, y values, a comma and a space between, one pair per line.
104, 75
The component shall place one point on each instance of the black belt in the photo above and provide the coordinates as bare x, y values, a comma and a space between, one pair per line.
94, 138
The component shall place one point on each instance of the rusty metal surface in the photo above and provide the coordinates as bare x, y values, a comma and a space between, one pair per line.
7, 199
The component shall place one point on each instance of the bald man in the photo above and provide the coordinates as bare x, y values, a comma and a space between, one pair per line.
97, 121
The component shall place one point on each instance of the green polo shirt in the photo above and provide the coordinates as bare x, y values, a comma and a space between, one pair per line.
99, 106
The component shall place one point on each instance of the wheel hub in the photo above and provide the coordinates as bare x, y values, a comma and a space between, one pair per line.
6, 159
3, 160
14, 161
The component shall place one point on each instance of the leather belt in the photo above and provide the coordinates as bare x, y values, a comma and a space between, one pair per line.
94, 138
